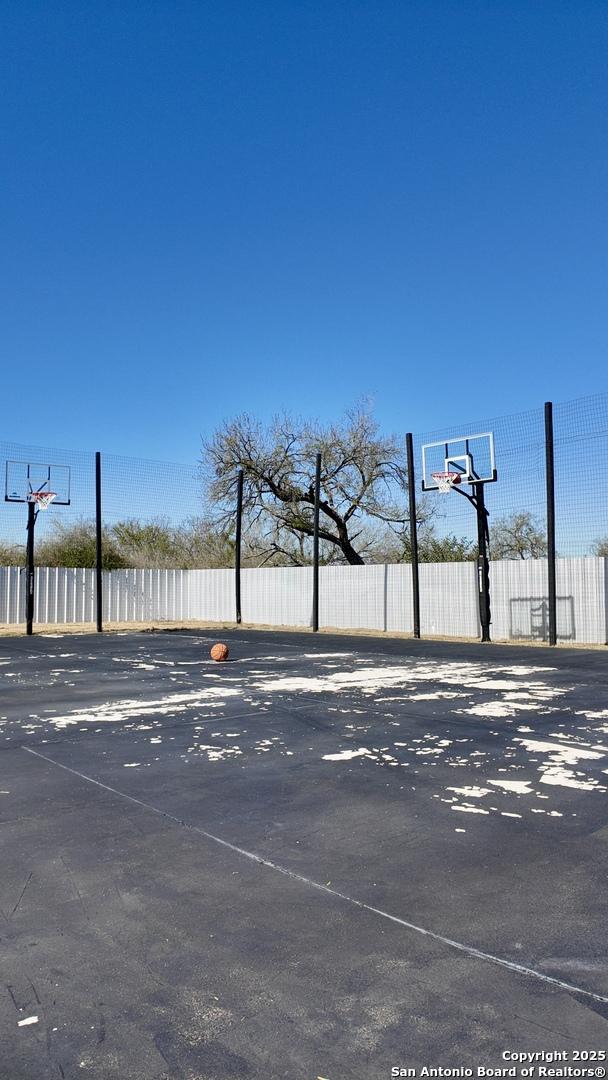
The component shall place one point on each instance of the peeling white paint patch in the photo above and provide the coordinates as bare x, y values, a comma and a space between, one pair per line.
524, 669
348, 755
498, 708
567, 778
482, 683
565, 736
521, 787
565, 752
368, 681
470, 792
438, 695
118, 711
371, 679
324, 655
468, 809
504, 813
217, 753
560, 754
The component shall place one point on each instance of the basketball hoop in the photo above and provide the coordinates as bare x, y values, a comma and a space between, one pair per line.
445, 480
43, 499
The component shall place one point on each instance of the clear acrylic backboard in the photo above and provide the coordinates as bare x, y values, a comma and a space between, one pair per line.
24, 478
471, 456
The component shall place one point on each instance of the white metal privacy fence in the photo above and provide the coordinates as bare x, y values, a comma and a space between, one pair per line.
351, 597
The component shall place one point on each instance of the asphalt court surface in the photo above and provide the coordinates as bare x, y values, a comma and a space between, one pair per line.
327, 857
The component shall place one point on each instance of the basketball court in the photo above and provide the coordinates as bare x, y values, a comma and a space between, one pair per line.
325, 857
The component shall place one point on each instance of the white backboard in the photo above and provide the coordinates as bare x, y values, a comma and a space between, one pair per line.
472, 456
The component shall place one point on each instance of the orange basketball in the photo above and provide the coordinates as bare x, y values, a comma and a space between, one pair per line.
219, 651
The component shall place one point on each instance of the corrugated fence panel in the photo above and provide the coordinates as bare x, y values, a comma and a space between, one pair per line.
212, 595
277, 595
144, 595
355, 597
106, 579
121, 603
520, 600
63, 595
352, 597
581, 600
12, 595
398, 600
449, 599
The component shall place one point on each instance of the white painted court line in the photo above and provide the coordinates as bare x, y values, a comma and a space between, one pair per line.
519, 969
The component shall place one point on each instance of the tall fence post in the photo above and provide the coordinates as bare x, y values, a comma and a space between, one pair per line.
411, 483
98, 546
483, 563
315, 557
30, 573
550, 481
237, 547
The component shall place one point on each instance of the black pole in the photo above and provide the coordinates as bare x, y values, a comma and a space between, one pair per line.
237, 548
315, 566
411, 483
550, 480
98, 545
483, 563
29, 569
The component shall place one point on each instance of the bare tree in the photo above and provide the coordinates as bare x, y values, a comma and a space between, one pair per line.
518, 536
363, 482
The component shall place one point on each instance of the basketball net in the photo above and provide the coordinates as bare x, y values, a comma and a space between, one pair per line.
43, 499
445, 481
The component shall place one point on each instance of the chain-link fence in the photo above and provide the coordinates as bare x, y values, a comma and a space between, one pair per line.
162, 556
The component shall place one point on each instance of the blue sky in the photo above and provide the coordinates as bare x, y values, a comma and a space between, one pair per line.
209, 208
